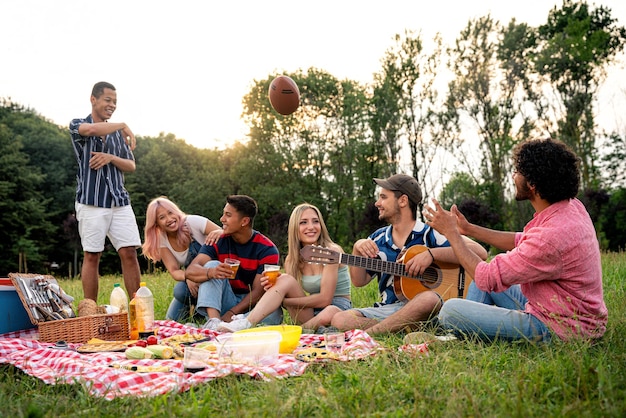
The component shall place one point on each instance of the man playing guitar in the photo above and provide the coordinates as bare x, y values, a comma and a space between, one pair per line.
397, 204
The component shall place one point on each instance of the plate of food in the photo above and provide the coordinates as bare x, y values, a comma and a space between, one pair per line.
101, 347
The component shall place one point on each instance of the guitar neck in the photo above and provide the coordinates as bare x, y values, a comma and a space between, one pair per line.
374, 264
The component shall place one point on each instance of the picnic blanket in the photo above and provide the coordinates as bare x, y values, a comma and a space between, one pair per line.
96, 374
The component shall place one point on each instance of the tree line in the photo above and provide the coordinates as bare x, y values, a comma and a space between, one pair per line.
503, 84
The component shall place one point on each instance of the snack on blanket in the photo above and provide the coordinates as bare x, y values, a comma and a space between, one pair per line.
311, 354
183, 338
100, 341
161, 351
150, 369
136, 353
207, 345
142, 369
178, 342
179, 350
99, 346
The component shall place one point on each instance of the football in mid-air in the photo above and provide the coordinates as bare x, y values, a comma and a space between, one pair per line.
284, 95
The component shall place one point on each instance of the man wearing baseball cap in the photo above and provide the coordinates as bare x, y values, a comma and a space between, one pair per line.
397, 204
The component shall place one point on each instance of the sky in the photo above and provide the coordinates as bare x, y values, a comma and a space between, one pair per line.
183, 67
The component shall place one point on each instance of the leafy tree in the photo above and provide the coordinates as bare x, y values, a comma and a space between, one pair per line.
614, 161
49, 149
486, 96
404, 99
206, 183
472, 199
461, 186
71, 235
573, 48
318, 154
386, 113
26, 226
612, 221
167, 166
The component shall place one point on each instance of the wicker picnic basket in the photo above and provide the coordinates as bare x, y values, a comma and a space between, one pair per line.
110, 327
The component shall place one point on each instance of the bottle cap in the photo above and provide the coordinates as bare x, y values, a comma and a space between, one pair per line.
142, 284
116, 285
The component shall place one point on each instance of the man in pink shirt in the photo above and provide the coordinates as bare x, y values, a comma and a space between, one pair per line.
549, 280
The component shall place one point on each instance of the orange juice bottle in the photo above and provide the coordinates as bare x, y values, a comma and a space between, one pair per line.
132, 315
145, 308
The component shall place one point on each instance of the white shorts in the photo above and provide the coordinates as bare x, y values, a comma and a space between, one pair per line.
95, 224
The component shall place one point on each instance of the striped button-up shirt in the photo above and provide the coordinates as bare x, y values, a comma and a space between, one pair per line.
104, 187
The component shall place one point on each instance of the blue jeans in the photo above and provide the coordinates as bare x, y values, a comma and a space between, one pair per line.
181, 303
490, 316
217, 294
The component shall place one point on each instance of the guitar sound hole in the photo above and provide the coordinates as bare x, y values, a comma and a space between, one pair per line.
432, 277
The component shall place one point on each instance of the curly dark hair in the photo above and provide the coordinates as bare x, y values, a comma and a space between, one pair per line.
549, 165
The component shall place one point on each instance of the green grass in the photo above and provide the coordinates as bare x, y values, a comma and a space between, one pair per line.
458, 379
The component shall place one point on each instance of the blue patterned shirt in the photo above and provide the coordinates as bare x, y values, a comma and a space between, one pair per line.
422, 234
104, 187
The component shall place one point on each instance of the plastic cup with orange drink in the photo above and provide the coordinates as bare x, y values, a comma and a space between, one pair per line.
271, 271
234, 265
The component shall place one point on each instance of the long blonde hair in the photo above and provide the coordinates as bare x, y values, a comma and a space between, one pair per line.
152, 232
294, 259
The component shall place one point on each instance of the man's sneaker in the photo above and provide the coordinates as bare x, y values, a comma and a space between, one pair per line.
236, 325
212, 324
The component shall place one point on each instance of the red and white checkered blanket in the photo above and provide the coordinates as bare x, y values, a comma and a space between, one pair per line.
94, 371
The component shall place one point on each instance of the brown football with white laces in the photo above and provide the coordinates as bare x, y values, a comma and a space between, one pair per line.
284, 95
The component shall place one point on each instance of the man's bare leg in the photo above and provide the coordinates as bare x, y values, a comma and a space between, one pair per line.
89, 275
130, 269
421, 308
351, 319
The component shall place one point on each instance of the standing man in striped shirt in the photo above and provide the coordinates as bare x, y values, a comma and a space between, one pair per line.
104, 153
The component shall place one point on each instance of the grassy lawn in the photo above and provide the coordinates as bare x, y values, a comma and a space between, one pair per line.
458, 378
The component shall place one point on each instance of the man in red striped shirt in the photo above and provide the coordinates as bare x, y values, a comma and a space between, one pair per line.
222, 295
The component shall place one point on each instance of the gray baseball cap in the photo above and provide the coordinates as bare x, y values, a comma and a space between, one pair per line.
404, 184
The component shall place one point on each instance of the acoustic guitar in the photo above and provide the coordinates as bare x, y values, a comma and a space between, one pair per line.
447, 279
